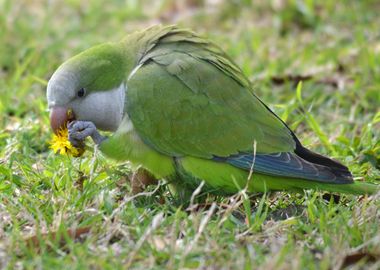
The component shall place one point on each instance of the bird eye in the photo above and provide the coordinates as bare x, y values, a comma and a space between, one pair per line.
81, 92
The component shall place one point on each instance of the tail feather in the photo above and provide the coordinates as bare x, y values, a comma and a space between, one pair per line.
339, 171
355, 188
291, 165
263, 182
335, 167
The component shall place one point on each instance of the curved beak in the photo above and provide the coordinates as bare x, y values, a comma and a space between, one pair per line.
59, 117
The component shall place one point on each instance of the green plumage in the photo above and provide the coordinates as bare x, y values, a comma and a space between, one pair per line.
101, 67
197, 88
189, 108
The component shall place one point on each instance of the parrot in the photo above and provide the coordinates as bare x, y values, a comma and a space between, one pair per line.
177, 106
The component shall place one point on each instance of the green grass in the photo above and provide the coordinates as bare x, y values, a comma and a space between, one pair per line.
336, 113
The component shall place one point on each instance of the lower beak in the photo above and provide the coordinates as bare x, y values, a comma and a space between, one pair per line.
59, 117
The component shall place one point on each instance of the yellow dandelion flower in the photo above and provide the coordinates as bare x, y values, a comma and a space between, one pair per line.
60, 144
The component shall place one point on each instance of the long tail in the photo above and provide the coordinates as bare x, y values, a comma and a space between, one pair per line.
229, 179
302, 169
263, 183
356, 188
302, 164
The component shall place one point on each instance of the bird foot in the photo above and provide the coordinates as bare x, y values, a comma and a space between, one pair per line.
80, 130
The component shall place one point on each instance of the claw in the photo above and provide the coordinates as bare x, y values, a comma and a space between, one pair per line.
80, 130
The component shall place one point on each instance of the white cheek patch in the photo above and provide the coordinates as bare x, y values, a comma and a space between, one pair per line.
104, 108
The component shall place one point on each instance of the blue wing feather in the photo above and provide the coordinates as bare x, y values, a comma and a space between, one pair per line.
286, 165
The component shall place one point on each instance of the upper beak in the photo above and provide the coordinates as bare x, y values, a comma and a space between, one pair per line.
59, 117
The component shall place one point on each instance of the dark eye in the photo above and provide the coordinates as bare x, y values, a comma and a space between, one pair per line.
81, 92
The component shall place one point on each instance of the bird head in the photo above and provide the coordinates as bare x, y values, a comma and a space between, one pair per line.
89, 87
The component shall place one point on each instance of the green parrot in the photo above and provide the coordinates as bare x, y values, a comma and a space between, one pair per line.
180, 108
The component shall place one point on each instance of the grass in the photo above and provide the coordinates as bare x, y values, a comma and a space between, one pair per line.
333, 47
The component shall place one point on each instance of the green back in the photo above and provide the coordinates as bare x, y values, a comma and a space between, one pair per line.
188, 98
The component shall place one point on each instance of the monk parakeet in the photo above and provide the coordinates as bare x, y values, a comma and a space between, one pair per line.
180, 108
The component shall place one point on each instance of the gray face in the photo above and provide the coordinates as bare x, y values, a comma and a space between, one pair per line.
103, 108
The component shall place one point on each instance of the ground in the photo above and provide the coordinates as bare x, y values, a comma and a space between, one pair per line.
58, 212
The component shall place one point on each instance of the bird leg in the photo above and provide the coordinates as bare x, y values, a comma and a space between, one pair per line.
141, 179
80, 130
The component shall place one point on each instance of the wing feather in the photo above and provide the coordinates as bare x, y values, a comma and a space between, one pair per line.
192, 108
188, 98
